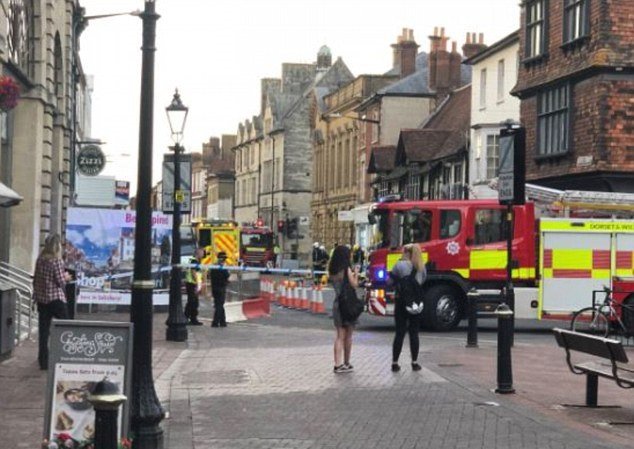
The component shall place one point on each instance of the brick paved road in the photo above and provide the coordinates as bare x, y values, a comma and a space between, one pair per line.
269, 384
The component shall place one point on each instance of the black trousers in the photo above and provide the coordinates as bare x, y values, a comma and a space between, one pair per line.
220, 318
405, 323
56, 309
191, 308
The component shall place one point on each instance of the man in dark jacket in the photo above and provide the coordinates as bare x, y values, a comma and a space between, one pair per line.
219, 279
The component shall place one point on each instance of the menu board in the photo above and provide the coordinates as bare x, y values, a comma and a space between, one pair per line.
83, 353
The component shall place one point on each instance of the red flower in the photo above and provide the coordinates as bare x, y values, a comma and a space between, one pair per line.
63, 437
9, 93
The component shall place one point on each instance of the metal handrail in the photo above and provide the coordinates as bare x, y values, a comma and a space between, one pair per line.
22, 281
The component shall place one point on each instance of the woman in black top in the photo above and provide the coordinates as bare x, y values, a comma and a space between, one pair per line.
405, 321
338, 268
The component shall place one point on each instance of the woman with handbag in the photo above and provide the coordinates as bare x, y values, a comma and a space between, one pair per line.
340, 274
408, 275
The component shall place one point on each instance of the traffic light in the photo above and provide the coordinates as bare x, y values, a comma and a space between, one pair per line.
291, 227
281, 226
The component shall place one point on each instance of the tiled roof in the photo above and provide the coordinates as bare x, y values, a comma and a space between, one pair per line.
442, 135
453, 113
382, 159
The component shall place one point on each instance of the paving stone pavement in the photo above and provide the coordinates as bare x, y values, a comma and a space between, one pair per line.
268, 383
264, 384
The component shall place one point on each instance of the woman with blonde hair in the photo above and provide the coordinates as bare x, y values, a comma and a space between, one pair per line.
49, 282
408, 275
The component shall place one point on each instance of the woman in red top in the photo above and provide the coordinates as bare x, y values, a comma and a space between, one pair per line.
49, 282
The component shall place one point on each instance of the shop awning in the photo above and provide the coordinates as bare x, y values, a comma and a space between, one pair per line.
8, 197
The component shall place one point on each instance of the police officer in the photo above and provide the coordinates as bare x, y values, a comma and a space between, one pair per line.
193, 285
219, 279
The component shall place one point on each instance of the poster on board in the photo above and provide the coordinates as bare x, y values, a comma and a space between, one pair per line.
100, 247
83, 353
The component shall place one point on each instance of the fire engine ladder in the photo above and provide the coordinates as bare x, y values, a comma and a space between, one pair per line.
616, 204
25, 316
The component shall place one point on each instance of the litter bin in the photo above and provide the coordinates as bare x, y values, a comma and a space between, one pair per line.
8, 296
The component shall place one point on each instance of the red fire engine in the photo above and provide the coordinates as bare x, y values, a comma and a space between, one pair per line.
463, 243
257, 246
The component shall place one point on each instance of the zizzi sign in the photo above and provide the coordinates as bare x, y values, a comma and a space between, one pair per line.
90, 160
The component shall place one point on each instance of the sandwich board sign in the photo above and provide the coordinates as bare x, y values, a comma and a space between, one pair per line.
81, 354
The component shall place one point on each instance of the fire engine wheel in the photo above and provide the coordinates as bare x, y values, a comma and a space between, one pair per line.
443, 308
590, 321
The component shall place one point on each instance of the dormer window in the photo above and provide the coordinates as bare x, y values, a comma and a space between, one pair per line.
535, 28
576, 20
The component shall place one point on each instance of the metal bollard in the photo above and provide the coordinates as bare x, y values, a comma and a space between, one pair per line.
472, 309
505, 334
106, 401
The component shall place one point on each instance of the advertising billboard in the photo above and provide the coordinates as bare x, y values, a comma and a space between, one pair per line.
100, 247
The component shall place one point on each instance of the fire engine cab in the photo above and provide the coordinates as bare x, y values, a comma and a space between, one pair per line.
257, 246
556, 262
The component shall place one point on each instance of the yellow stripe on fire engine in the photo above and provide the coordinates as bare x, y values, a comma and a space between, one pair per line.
392, 258
572, 259
464, 272
601, 274
487, 260
523, 273
598, 226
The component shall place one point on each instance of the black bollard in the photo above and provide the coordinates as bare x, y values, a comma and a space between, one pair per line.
106, 401
472, 308
505, 368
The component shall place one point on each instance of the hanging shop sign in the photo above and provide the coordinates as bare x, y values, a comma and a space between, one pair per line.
90, 160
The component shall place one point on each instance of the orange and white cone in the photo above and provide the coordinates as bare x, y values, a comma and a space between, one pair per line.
319, 303
283, 290
295, 304
304, 303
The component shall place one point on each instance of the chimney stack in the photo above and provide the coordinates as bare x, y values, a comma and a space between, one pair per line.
474, 44
404, 52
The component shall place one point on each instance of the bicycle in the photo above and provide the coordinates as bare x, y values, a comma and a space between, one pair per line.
603, 318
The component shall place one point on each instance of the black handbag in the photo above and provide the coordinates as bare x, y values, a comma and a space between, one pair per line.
350, 306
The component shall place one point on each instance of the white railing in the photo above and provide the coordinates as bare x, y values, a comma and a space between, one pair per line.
22, 281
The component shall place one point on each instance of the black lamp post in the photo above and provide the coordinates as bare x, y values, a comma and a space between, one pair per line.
146, 410
176, 330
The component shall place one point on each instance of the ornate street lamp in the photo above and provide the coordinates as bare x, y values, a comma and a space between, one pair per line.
146, 410
176, 330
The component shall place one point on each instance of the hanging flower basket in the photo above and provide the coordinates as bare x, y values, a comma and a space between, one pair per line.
9, 93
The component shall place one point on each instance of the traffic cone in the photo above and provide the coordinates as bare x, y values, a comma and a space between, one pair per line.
313, 299
304, 304
319, 303
295, 301
282, 299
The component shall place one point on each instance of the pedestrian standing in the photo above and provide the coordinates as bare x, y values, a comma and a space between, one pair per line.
49, 285
409, 268
338, 268
219, 277
193, 285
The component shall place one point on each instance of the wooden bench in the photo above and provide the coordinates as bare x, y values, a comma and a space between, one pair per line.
603, 348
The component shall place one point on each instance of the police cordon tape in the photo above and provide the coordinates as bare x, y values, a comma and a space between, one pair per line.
292, 294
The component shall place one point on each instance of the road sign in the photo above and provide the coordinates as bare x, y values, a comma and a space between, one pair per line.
180, 196
512, 167
185, 193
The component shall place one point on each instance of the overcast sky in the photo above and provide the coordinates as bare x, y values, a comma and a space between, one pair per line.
216, 51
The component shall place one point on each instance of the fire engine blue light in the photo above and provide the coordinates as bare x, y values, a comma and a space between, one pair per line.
380, 275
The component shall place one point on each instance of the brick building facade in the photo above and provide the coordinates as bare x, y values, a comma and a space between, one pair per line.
575, 82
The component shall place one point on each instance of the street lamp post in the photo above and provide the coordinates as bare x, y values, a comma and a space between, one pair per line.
146, 413
176, 330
